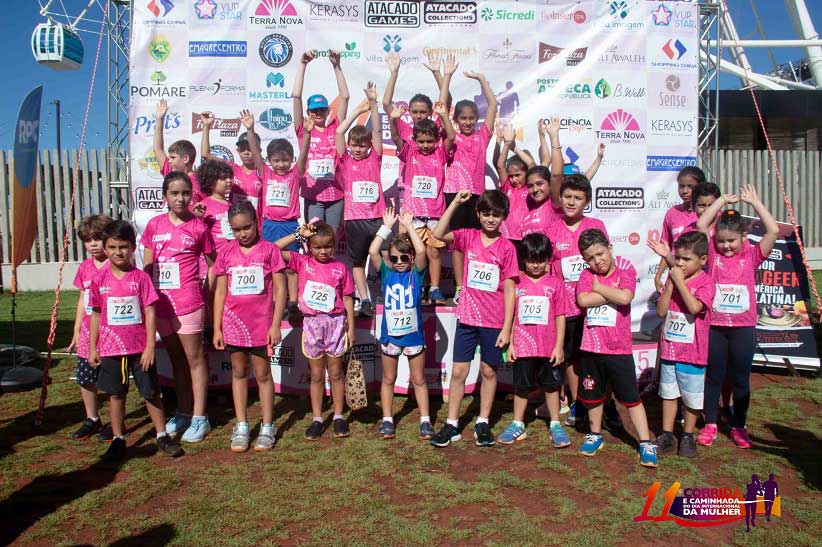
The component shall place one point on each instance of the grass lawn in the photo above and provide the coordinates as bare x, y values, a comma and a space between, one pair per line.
361, 490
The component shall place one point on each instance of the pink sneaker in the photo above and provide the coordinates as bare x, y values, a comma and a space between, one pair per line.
740, 437
707, 435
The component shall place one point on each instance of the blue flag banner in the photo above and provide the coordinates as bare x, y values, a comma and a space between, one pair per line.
24, 189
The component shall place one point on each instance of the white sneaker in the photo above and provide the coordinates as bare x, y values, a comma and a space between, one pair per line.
239, 437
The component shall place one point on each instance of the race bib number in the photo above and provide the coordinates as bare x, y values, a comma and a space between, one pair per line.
246, 280
364, 191
533, 310
167, 275
602, 316
277, 194
731, 299
401, 322
572, 267
483, 276
319, 296
123, 310
424, 187
85, 302
679, 327
225, 227
321, 168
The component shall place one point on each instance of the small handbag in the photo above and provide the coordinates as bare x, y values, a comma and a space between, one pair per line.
355, 394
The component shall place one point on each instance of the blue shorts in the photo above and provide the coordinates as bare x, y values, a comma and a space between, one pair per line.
682, 380
468, 337
274, 230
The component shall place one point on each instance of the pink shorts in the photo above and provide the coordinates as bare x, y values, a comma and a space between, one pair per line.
324, 335
190, 323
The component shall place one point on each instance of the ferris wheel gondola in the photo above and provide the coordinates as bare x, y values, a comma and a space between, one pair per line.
57, 46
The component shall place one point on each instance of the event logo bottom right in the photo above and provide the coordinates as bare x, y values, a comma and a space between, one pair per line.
701, 507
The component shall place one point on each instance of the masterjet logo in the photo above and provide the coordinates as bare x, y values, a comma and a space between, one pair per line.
619, 198
620, 126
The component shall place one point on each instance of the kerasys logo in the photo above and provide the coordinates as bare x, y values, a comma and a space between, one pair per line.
274, 14
612, 198
276, 50
620, 126
275, 119
394, 13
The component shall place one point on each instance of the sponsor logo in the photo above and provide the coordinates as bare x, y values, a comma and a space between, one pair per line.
577, 90
620, 126
603, 90
619, 198
392, 43
544, 84
217, 88
668, 163
662, 15
275, 14
144, 125
350, 50
615, 55
672, 54
159, 48
149, 198
573, 57
161, 10
228, 127
674, 49
395, 13
276, 50
450, 13
275, 119
662, 201
445, 51
633, 238
578, 16
211, 10
511, 14
205, 9
675, 127
575, 125
148, 165
217, 48
283, 356
620, 12
275, 89
222, 152
505, 53
334, 12
623, 163
669, 98
157, 89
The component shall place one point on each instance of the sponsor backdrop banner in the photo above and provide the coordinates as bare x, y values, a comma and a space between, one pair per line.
622, 73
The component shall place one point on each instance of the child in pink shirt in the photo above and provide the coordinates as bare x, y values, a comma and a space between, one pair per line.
544, 203
327, 305
511, 172
684, 306
90, 233
122, 333
323, 191
249, 302
359, 165
485, 312
732, 264
536, 346
173, 245
216, 180
181, 154
605, 289
425, 157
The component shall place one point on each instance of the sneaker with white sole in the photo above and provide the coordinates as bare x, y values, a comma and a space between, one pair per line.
197, 431
593, 443
513, 433
239, 437
559, 437
446, 435
647, 454
178, 423
707, 435
266, 438
426, 430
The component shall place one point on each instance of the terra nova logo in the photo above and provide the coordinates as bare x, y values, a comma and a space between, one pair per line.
620, 126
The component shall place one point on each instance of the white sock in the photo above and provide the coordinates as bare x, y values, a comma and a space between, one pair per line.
434, 287
198, 417
424, 419
521, 424
318, 419
553, 423
389, 419
338, 416
120, 437
162, 434
455, 423
94, 419
242, 424
481, 420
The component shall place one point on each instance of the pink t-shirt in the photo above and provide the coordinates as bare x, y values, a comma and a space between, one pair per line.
216, 218
678, 220
281, 195
517, 210
735, 277
424, 175
121, 303
566, 261
322, 284
249, 302
176, 251
539, 302
82, 280
684, 337
482, 300
247, 186
607, 328
363, 186
196, 194
405, 129
468, 168
538, 219
321, 180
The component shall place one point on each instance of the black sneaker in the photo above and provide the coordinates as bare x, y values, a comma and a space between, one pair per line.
106, 435
664, 443
88, 428
341, 428
687, 445
366, 309
446, 435
169, 446
314, 431
483, 435
116, 450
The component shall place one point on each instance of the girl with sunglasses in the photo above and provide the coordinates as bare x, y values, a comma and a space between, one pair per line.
401, 333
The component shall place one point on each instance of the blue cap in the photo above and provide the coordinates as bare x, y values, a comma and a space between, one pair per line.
570, 169
317, 101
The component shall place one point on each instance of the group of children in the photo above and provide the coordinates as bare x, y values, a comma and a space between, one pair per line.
537, 282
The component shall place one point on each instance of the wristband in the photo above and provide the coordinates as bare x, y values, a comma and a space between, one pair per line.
298, 236
384, 232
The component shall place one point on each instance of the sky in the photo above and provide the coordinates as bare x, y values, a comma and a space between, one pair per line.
72, 87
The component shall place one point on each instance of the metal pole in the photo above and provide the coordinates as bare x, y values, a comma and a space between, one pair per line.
56, 104
803, 26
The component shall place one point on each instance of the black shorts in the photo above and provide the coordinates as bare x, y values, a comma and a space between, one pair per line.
257, 351
596, 371
531, 372
86, 374
358, 237
113, 377
573, 338
466, 214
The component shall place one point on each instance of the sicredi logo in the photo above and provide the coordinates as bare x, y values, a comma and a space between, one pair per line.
619, 198
512, 13
394, 13
275, 119
217, 48
450, 13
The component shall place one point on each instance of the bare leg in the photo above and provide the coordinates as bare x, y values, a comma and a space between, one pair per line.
434, 265
520, 404
595, 418
182, 373
552, 402
456, 389
156, 413
117, 412
265, 385
389, 378
690, 419
573, 380
417, 366
669, 407
89, 395
640, 421
360, 282
317, 388
193, 346
335, 374
456, 263
293, 286
239, 384
488, 389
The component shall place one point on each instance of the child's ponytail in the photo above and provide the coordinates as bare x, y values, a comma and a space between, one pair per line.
732, 221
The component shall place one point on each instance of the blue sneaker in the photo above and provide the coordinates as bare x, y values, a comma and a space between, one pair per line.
593, 443
513, 433
178, 423
483, 435
647, 454
612, 417
559, 438
577, 415
426, 430
196, 432
435, 295
387, 430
